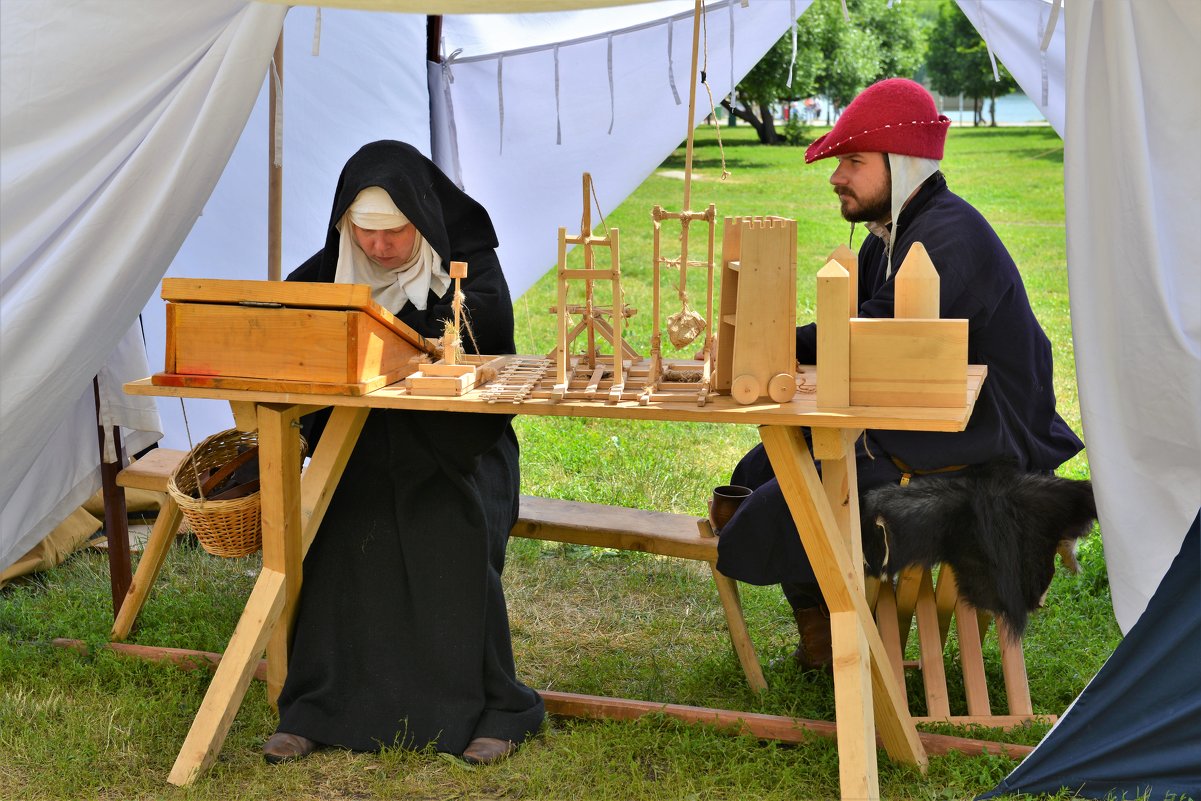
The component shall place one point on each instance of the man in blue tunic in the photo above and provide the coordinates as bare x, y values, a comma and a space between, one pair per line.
888, 143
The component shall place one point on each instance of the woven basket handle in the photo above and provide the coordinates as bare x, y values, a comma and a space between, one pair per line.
224, 472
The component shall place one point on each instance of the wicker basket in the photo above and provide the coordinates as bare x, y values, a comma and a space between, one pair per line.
224, 528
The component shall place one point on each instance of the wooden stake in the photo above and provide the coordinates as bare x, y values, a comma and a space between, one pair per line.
833, 337
917, 286
847, 258
458, 271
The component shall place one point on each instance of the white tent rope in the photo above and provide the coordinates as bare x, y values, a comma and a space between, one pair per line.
278, 159
558, 123
612, 104
792, 61
1050, 29
671, 72
500, 103
448, 77
846, 14
1043, 31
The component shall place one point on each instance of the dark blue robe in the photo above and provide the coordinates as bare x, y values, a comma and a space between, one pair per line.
1014, 418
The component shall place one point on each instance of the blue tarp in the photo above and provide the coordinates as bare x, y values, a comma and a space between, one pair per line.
1136, 728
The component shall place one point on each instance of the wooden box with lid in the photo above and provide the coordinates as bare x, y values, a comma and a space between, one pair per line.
280, 336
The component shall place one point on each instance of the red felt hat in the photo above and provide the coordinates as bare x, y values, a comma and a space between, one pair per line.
893, 116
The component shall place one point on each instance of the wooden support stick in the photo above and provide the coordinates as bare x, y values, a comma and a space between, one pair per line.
562, 357
1013, 666
153, 555
589, 263
450, 354
857, 766
266, 602
279, 474
971, 657
833, 567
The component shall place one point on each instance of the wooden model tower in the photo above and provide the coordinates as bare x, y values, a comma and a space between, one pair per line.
592, 323
685, 325
756, 342
455, 374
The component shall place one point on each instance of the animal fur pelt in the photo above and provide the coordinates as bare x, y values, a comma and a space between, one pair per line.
997, 527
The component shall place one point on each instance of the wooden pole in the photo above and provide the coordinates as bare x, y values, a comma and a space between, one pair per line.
696, 39
595, 707
275, 175
116, 522
589, 263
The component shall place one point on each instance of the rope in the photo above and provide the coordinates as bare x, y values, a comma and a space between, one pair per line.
709, 91
191, 450
599, 211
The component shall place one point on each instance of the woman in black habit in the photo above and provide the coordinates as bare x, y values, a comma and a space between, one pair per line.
402, 636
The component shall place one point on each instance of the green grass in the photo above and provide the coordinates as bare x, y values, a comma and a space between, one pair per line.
584, 620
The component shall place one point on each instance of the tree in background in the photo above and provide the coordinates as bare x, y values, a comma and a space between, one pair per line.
879, 42
767, 83
957, 63
835, 58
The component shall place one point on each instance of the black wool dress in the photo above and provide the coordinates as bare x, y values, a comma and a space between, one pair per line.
402, 635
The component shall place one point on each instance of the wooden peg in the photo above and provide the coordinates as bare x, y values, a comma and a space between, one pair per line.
917, 286
833, 336
847, 258
458, 271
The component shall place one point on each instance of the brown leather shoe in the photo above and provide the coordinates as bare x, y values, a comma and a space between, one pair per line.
486, 750
284, 747
814, 651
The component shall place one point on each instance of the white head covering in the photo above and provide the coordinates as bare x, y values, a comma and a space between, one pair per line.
908, 173
374, 210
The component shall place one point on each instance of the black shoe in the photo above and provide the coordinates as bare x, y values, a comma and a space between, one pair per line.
284, 747
487, 750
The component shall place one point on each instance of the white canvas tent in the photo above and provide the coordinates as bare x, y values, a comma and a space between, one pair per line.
118, 120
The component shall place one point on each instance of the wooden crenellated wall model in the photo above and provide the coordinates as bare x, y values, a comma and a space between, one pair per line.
756, 340
913, 359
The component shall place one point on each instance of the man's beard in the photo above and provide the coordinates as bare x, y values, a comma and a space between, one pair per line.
870, 209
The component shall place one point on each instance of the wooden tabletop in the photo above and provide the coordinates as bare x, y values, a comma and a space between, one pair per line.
801, 410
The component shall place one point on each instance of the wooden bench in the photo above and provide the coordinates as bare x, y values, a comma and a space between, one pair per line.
935, 606
662, 533
677, 535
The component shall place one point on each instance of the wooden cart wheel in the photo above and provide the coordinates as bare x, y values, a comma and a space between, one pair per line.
746, 389
781, 388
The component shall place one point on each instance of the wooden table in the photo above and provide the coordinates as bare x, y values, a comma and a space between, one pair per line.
825, 509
